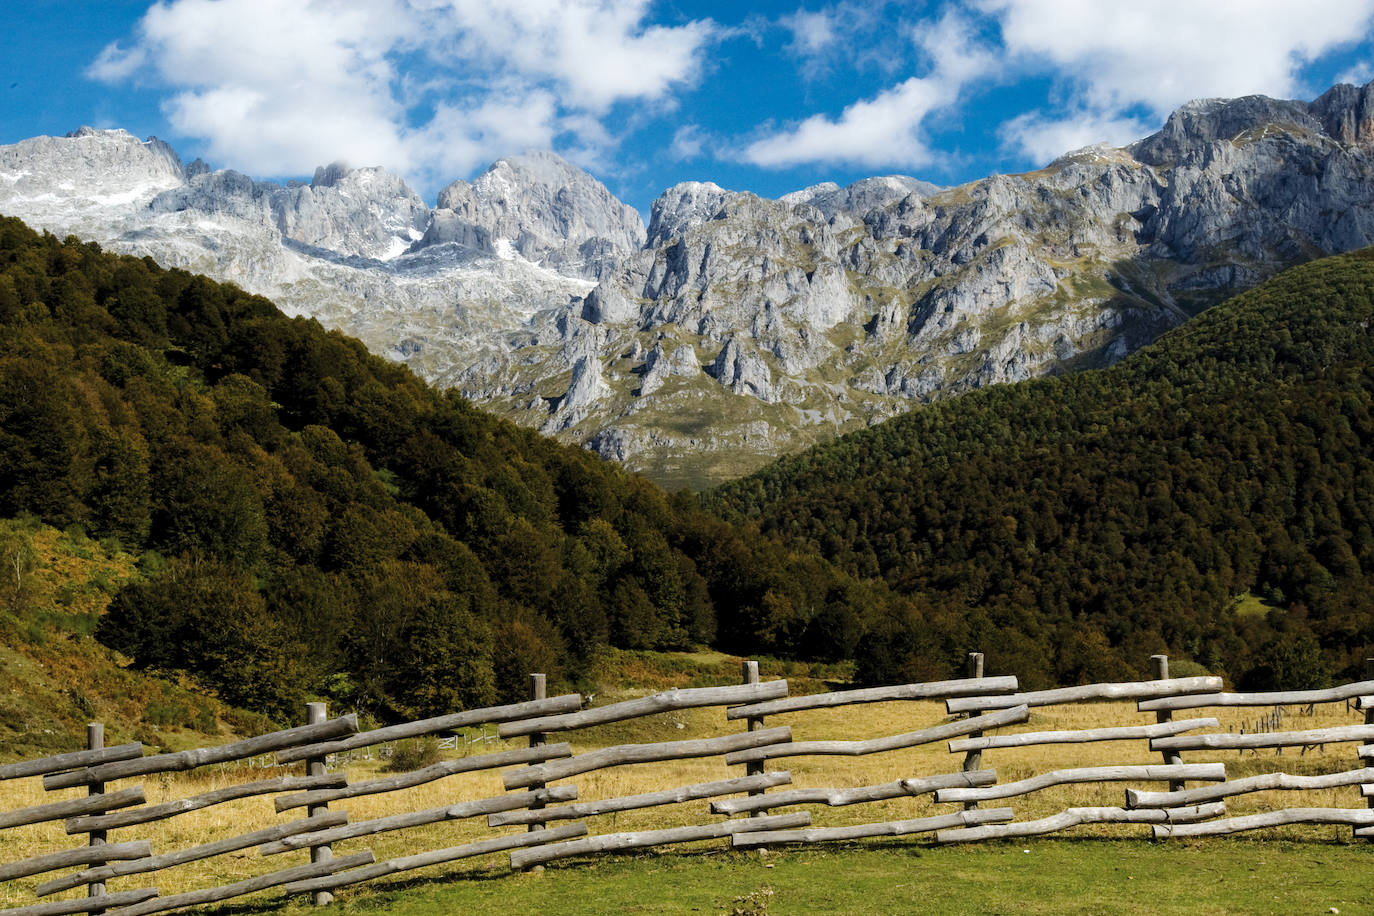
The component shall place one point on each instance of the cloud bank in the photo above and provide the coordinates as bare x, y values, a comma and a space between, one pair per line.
1116, 70
430, 89
435, 89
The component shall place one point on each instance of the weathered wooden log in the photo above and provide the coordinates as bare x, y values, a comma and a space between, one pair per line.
95, 741
83, 855
55, 811
1080, 736
1159, 665
623, 754
317, 766
980, 723
615, 842
930, 690
189, 760
886, 828
1275, 698
1087, 693
426, 774
1356, 816
1213, 772
420, 818
973, 760
1368, 720
667, 701
73, 760
856, 796
422, 727
749, 672
1137, 798
1075, 817
1223, 742
247, 886
646, 800
204, 800
438, 857
193, 853
83, 904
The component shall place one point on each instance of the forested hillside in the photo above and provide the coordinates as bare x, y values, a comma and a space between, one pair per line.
313, 519
1211, 496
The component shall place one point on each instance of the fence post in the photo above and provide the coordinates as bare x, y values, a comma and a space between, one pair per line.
95, 740
749, 671
1159, 667
1369, 713
973, 760
315, 713
539, 690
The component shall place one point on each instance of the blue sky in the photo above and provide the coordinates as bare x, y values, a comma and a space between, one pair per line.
768, 97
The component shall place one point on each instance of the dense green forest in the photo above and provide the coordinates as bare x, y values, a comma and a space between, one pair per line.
1211, 496
316, 520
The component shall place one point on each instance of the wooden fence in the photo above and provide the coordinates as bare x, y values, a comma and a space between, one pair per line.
982, 714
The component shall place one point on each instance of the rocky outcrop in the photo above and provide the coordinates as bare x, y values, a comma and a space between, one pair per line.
586, 391
659, 367
743, 372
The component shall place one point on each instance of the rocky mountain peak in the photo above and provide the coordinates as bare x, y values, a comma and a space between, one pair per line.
327, 176
1347, 113
1344, 115
543, 208
368, 212
682, 205
861, 197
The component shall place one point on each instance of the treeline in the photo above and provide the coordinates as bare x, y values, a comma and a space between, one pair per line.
316, 520
1073, 526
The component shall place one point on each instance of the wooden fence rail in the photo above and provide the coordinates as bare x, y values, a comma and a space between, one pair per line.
668, 701
189, 760
56, 811
1088, 693
837, 798
1077, 817
204, 800
742, 809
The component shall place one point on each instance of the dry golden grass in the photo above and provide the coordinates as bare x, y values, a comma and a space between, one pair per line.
850, 723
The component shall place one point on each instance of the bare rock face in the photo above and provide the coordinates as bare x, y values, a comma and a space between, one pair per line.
542, 208
737, 328
368, 212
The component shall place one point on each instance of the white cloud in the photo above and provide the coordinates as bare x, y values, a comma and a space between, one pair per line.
115, 63
599, 51
886, 129
688, 142
813, 32
431, 88
1113, 58
1167, 52
1357, 75
458, 140
1044, 139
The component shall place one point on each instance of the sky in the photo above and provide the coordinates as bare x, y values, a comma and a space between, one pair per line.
764, 97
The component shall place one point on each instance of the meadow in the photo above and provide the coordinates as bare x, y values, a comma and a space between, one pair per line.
1091, 869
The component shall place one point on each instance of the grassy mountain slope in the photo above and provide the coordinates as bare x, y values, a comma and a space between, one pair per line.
54, 677
1073, 526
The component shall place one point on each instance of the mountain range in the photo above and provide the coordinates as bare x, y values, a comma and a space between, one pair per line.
732, 328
